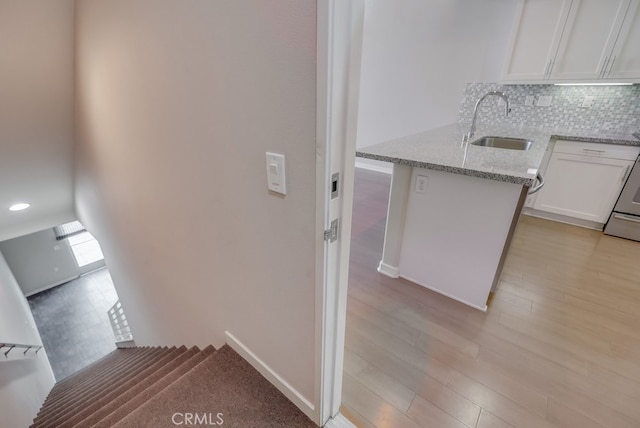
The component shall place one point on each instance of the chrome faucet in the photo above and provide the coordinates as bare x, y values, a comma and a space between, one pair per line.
472, 130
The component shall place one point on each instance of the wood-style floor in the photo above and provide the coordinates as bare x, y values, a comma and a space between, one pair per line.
558, 347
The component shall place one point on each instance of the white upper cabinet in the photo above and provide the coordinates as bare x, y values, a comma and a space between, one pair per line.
625, 62
536, 39
575, 40
588, 38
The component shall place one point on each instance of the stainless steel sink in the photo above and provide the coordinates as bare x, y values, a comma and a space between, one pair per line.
504, 143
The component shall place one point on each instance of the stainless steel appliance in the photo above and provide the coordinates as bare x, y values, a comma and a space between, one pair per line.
625, 218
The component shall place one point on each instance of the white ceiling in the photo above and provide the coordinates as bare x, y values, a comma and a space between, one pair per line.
36, 114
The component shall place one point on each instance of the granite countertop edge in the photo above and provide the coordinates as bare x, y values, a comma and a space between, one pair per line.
620, 141
430, 143
496, 176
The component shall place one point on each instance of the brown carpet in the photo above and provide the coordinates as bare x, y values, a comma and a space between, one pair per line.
161, 387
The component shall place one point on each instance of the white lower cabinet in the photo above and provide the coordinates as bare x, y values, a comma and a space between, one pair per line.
583, 180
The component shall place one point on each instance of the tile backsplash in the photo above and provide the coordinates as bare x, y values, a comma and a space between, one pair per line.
614, 108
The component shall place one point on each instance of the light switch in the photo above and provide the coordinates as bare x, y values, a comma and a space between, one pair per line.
276, 181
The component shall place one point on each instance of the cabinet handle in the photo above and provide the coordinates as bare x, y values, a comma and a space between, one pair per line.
539, 178
627, 218
594, 151
611, 66
604, 67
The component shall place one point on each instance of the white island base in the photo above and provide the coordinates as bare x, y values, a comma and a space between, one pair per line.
453, 237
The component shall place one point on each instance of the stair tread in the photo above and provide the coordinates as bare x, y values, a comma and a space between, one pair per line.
91, 370
130, 405
106, 384
59, 395
223, 383
139, 380
159, 382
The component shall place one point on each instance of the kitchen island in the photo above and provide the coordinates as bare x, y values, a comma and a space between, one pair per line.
454, 206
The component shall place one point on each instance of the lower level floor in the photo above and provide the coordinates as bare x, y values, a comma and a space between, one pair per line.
73, 323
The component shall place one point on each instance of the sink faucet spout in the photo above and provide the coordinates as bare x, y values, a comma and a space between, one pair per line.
502, 95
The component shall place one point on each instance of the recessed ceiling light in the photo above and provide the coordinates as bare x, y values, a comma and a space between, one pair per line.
19, 207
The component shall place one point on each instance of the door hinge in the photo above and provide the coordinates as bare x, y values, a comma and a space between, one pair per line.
332, 234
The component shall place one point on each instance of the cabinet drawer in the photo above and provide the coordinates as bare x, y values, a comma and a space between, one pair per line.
610, 151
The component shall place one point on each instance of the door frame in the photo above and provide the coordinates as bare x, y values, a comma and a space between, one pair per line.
339, 51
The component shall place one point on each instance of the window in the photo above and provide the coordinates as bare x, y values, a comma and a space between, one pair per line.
85, 248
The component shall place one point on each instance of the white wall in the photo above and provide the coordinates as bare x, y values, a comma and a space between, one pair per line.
36, 114
418, 56
177, 103
24, 383
38, 261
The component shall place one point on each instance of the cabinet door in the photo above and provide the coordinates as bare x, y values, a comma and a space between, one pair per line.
536, 39
625, 61
584, 187
588, 39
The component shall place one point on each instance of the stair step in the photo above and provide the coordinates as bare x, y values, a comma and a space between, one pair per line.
85, 375
77, 398
134, 384
146, 386
92, 381
125, 404
223, 383
59, 395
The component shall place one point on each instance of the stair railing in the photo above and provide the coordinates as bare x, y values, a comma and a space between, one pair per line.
11, 346
119, 324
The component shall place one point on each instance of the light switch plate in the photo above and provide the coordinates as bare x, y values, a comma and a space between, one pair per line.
276, 177
544, 100
528, 101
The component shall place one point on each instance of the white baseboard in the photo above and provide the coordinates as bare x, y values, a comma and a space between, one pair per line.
283, 386
563, 219
388, 270
372, 167
339, 421
55, 284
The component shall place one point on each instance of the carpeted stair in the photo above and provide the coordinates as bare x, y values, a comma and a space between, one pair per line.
165, 387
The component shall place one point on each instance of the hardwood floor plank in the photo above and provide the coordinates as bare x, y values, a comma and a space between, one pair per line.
389, 389
497, 404
489, 420
353, 363
429, 415
566, 417
372, 407
361, 330
451, 402
602, 402
356, 418
558, 347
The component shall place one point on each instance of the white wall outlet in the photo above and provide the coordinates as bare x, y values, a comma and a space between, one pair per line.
544, 100
276, 178
421, 184
588, 101
528, 101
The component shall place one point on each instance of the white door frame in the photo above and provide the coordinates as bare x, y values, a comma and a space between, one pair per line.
339, 50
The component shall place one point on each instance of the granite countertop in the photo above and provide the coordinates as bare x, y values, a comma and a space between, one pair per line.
442, 149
